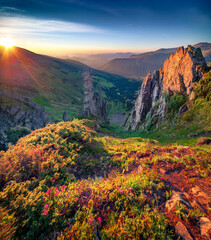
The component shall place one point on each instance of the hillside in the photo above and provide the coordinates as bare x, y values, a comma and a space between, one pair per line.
67, 181
57, 84
137, 66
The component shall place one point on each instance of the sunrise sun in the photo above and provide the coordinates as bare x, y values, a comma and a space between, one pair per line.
7, 43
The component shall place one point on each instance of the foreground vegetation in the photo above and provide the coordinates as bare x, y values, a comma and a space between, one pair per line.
71, 181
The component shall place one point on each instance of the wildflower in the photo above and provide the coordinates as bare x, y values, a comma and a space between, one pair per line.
121, 191
157, 177
149, 169
90, 221
154, 172
131, 189
46, 206
117, 188
76, 199
57, 192
161, 178
99, 220
63, 187
48, 192
45, 212
127, 191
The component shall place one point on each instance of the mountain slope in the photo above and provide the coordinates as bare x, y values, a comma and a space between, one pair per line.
57, 84
137, 66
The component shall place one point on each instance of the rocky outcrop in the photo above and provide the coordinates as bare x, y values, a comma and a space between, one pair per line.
21, 112
178, 74
182, 231
93, 105
65, 117
205, 226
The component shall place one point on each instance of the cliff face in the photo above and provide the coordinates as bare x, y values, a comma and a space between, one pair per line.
178, 74
23, 112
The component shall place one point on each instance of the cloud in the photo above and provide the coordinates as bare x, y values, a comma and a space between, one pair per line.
6, 11
26, 25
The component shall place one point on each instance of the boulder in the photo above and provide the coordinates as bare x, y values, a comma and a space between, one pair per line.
176, 198
196, 191
205, 226
182, 231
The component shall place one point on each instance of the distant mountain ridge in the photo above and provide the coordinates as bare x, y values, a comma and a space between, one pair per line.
97, 60
137, 66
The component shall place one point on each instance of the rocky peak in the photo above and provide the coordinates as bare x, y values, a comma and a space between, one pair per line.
179, 72
182, 69
93, 104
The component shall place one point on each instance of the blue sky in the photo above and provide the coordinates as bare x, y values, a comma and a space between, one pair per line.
65, 27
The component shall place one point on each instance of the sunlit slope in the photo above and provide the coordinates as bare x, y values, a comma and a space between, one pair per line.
57, 84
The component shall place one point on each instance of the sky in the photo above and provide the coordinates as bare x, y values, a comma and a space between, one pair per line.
68, 27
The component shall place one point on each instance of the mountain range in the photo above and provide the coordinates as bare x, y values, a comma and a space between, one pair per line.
98, 60
137, 66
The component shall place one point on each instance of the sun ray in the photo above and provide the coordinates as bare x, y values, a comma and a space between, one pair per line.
7, 43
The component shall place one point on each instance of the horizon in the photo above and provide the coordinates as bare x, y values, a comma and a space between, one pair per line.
72, 28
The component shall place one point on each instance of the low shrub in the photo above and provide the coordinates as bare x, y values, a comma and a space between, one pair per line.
203, 88
15, 133
176, 101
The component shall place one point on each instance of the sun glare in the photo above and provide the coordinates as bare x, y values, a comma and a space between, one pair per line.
7, 43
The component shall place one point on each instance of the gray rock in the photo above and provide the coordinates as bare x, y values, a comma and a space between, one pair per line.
205, 226
198, 192
93, 105
182, 231
196, 204
182, 109
11, 116
66, 117
176, 198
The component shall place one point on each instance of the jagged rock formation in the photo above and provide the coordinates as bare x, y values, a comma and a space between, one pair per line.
65, 117
22, 112
178, 74
93, 105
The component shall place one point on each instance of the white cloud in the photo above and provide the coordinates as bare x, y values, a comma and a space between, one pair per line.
10, 9
26, 25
